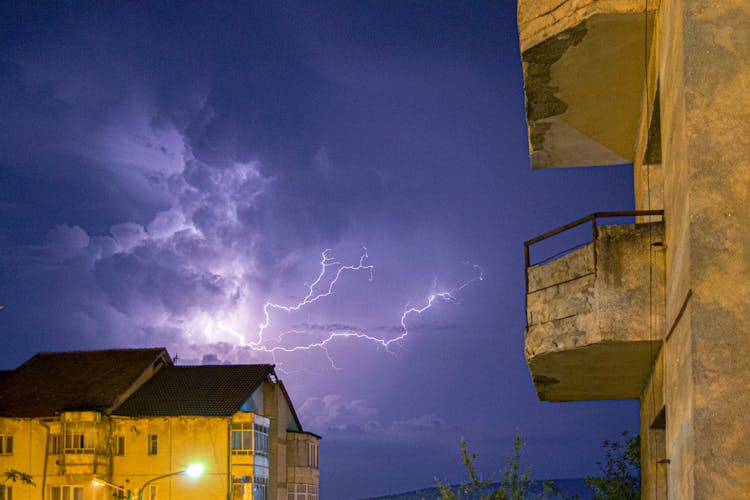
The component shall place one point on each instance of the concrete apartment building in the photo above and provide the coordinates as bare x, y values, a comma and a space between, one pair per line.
91, 425
659, 310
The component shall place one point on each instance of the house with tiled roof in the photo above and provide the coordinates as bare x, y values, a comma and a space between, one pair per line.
102, 424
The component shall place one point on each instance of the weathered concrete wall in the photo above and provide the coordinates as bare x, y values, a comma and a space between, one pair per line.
653, 435
630, 282
602, 292
694, 161
717, 104
679, 391
539, 20
559, 306
702, 61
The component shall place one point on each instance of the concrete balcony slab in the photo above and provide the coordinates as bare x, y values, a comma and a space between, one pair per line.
595, 317
584, 67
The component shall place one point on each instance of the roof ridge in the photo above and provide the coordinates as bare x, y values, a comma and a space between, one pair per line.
268, 365
114, 349
41, 354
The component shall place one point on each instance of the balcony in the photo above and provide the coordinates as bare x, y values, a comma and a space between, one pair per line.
302, 454
84, 465
595, 312
584, 66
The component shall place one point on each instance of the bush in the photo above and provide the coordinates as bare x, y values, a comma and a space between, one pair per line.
513, 486
621, 479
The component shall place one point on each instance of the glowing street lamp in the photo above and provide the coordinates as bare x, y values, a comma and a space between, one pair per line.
192, 470
100, 483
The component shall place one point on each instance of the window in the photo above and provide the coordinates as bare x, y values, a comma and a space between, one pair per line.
312, 455
242, 487
250, 437
151, 493
66, 492
120, 446
242, 438
7, 494
6, 444
153, 444
312, 492
260, 468
79, 438
249, 488
261, 438
302, 492
260, 488
55, 444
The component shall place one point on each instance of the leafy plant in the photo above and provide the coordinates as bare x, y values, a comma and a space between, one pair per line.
13, 476
514, 485
621, 470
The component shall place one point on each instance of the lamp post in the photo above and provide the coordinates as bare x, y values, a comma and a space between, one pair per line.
193, 470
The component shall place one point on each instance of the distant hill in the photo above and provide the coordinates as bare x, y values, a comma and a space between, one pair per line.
569, 488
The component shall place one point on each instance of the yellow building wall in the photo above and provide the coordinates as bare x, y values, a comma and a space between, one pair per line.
30, 447
181, 441
25, 439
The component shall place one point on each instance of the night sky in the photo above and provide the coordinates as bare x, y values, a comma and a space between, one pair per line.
166, 172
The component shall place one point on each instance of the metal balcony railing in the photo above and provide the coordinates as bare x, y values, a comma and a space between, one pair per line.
591, 219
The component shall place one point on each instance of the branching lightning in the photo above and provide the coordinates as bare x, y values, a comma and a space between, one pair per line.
324, 287
326, 262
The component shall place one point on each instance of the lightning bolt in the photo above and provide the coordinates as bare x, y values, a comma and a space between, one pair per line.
323, 287
326, 262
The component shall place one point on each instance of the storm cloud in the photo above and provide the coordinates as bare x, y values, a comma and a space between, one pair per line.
166, 170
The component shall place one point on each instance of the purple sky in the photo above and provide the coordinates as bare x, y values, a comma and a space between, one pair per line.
166, 172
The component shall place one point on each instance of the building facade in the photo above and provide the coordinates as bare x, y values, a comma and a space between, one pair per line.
92, 425
656, 309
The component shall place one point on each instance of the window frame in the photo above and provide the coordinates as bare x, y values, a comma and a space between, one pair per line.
260, 488
6, 445
56, 444
252, 437
260, 439
242, 432
74, 492
119, 446
78, 439
153, 444
313, 454
302, 491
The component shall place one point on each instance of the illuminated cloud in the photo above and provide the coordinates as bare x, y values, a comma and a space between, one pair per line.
165, 172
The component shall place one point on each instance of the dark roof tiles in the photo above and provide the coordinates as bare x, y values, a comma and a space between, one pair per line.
54, 382
211, 390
